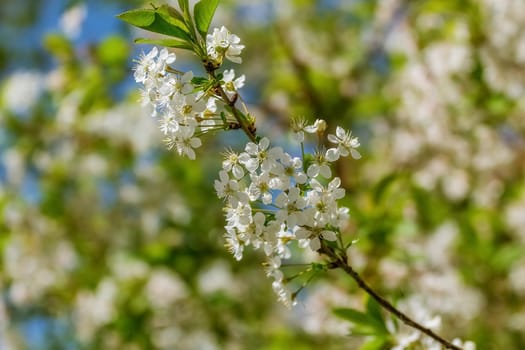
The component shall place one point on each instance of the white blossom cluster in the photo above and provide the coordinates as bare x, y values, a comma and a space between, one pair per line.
184, 109
273, 199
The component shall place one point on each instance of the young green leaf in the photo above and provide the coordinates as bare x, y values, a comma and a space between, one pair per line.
373, 310
199, 81
165, 42
184, 5
203, 12
139, 18
154, 21
363, 321
172, 16
375, 343
352, 315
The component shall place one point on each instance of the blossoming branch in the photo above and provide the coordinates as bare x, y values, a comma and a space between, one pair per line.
273, 200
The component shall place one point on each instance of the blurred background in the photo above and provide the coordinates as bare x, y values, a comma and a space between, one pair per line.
109, 241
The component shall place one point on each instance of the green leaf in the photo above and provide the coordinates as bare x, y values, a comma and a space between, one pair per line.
365, 323
172, 16
352, 315
154, 21
373, 310
374, 344
383, 185
184, 5
165, 42
203, 12
138, 18
199, 80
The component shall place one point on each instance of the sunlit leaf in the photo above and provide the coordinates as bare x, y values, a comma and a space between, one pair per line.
154, 21
203, 12
375, 343
165, 42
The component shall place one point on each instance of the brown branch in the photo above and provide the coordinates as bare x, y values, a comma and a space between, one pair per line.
249, 129
341, 262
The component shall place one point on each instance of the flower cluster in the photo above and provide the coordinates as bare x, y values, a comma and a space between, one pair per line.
273, 199
186, 106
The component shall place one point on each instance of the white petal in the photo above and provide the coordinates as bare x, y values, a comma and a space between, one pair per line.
332, 154
313, 170
224, 176
251, 148
335, 183
325, 171
228, 75
237, 171
315, 244
300, 178
332, 138
329, 235
340, 132
264, 143
355, 154
190, 153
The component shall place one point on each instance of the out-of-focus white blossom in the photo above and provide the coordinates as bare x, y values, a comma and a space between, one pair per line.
164, 287
217, 277
22, 90
71, 20
95, 308
516, 278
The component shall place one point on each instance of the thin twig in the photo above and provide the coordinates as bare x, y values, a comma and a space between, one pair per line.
341, 262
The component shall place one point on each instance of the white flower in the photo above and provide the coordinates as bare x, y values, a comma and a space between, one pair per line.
324, 200
149, 66
168, 123
291, 205
230, 84
229, 189
165, 58
184, 141
22, 91
312, 236
145, 65
256, 155
319, 126
288, 168
256, 229
240, 216
233, 244
231, 163
346, 144
72, 19
260, 188
283, 294
221, 43
299, 127
320, 165
188, 106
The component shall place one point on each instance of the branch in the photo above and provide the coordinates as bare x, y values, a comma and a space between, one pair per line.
341, 262
248, 129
